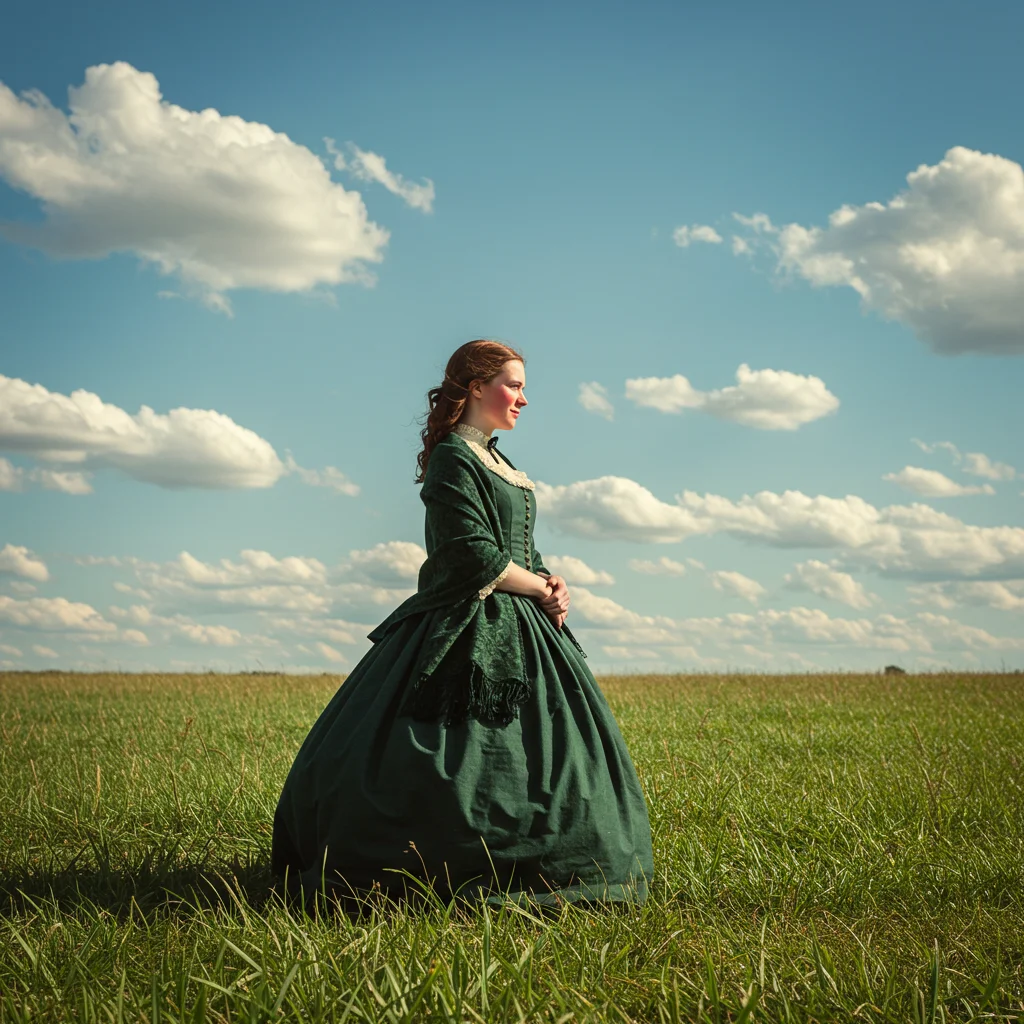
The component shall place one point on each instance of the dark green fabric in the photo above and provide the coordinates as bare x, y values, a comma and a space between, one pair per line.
470, 663
471, 746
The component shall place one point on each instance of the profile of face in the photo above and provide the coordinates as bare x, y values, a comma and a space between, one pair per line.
497, 403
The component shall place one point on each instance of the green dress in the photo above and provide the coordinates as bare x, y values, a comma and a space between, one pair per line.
471, 747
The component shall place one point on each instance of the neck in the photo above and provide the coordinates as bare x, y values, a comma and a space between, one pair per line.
471, 421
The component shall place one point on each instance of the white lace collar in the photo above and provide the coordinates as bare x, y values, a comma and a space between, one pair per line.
477, 441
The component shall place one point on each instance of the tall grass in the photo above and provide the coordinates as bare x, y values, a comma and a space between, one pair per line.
828, 848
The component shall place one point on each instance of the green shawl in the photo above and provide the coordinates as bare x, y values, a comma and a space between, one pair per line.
471, 662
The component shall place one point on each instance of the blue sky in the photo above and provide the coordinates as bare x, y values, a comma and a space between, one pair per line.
580, 181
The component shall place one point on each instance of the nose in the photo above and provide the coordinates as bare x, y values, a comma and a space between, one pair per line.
521, 400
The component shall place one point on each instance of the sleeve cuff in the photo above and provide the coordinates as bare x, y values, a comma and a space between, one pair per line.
485, 591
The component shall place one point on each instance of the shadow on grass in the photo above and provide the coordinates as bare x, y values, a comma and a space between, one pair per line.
169, 878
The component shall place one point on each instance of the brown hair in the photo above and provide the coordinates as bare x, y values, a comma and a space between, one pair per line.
476, 361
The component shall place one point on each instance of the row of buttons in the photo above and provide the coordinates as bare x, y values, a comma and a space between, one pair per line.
526, 531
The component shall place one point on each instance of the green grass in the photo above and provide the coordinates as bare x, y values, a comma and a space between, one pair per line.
827, 848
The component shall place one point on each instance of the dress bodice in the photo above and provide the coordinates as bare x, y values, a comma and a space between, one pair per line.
514, 494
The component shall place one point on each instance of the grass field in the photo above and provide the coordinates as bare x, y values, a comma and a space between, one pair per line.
827, 848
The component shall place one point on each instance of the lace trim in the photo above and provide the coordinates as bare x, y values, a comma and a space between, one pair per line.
490, 586
477, 441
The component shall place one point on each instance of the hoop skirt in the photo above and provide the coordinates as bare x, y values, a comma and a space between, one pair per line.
471, 747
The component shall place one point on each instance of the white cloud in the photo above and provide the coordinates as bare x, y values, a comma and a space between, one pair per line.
945, 256
44, 652
979, 464
684, 235
221, 202
754, 637
135, 637
1007, 596
13, 652
55, 614
392, 563
258, 581
821, 579
329, 652
254, 567
930, 483
898, 540
603, 611
19, 561
21, 587
576, 572
615, 507
367, 166
949, 633
366, 583
213, 635
68, 482
736, 584
10, 476
765, 399
594, 398
661, 567
15, 478
330, 477
184, 448
338, 631
975, 463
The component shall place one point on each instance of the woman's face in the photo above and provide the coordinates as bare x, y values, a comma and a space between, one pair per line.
501, 398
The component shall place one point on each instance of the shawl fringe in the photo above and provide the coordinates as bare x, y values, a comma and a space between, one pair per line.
457, 695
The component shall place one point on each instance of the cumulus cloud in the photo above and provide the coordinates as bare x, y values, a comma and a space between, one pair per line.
898, 540
979, 464
253, 568
368, 582
825, 581
945, 256
975, 463
594, 398
338, 631
184, 448
54, 614
10, 650
394, 563
44, 652
765, 399
930, 483
16, 478
19, 561
221, 202
684, 235
215, 635
615, 507
330, 477
735, 634
1007, 596
659, 567
735, 584
367, 166
179, 627
329, 652
576, 572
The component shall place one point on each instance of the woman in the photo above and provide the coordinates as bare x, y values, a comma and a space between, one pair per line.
471, 747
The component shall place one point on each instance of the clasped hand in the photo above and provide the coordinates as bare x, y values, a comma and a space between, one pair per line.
556, 602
